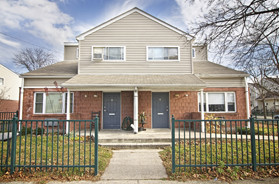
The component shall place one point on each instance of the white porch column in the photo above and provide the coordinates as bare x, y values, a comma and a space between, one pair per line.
68, 117
136, 110
21, 102
202, 110
247, 100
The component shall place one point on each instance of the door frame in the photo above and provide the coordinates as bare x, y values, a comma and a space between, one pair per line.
102, 124
152, 108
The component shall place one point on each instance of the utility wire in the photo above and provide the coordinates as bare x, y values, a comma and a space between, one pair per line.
29, 42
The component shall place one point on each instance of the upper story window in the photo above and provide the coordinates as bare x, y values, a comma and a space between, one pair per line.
218, 102
193, 52
1, 81
111, 53
52, 103
163, 53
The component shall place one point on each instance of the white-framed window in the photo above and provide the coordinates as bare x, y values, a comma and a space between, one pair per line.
193, 52
52, 103
77, 53
218, 102
1, 81
109, 53
159, 53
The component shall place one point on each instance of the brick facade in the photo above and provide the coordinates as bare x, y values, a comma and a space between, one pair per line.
145, 106
183, 104
127, 104
8, 105
241, 112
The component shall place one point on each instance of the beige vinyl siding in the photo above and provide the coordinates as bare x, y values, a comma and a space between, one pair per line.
135, 32
201, 53
70, 52
43, 82
224, 82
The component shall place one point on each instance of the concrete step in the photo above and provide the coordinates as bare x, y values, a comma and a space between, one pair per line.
155, 145
137, 140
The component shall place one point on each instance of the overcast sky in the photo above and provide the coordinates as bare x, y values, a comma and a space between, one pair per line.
48, 24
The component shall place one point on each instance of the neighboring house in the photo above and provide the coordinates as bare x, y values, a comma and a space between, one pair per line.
9, 90
260, 97
131, 64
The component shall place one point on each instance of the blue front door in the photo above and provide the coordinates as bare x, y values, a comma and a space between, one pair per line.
160, 110
111, 110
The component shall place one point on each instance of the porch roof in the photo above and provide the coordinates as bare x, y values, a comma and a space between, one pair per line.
126, 80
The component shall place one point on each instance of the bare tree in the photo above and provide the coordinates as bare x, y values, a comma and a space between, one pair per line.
33, 58
247, 31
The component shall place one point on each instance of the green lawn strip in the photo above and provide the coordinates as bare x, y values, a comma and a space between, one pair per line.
76, 152
231, 153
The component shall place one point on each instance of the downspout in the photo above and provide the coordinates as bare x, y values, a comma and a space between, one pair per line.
135, 125
21, 102
247, 100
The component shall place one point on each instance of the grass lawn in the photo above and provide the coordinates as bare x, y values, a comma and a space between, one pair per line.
60, 152
220, 153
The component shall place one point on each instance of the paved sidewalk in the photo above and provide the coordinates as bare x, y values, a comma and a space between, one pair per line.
135, 165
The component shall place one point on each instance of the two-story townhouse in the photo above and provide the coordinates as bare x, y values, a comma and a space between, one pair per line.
9, 90
131, 64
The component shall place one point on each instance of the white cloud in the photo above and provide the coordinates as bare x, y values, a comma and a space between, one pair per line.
10, 43
41, 18
191, 11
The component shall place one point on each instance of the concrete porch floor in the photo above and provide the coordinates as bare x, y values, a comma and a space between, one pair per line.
148, 134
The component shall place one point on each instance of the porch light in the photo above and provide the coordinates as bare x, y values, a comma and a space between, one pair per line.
176, 95
95, 96
85, 96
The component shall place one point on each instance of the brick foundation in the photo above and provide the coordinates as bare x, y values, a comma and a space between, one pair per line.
127, 104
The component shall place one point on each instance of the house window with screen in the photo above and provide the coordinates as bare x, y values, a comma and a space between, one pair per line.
108, 53
52, 103
162, 53
218, 102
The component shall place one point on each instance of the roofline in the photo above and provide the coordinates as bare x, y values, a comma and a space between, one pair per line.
10, 70
46, 76
221, 75
135, 85
70, 43
82, 35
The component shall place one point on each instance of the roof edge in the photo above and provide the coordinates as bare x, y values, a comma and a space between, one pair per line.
46, 76
222, 75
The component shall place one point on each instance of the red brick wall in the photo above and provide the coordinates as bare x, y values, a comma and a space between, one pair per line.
182, 103
145, 106
8, 105
28, 104
127, 104
86, 102
240, 102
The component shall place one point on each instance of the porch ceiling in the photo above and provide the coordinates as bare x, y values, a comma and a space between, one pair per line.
189, 81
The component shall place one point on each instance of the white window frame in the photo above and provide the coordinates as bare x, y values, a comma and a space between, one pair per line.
3, 81
77, 53
105, 46
178, 52
226, 102
44, 103
193, 53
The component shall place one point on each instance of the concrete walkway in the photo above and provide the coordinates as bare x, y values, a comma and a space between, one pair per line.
135, 165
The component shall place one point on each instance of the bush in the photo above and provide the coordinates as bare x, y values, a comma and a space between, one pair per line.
28, 130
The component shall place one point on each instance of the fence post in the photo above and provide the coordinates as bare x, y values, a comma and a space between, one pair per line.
96, 145
13, 153
253, 144
173, 143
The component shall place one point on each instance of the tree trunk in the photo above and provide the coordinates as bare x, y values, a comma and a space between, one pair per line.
264, 109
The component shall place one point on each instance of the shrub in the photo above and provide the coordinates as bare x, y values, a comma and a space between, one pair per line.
28, 130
